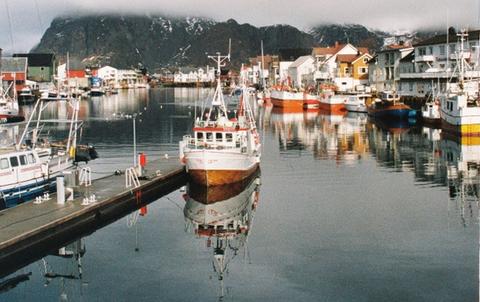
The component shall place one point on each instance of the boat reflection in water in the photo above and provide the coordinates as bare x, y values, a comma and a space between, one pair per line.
222, 215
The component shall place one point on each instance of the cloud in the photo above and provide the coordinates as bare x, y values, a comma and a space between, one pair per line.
28, 22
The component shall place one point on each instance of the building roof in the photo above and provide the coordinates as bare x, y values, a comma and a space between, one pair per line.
442, 39
322, 51
186, 70
347, 58
395, 47
14, 64
37, 59
298, 62
291, 54
408, 58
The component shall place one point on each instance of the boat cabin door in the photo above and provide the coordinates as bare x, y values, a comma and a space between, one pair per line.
14, 167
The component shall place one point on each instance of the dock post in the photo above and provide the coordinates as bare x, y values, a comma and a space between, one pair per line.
60, 190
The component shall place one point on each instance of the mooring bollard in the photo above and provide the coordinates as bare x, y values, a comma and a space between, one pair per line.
60, 190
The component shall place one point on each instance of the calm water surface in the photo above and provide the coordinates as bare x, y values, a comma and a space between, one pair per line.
344, 210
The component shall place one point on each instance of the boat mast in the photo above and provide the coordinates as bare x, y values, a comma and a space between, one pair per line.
218, 95
461, 57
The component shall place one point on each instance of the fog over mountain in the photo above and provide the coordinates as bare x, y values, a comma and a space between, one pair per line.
23, 22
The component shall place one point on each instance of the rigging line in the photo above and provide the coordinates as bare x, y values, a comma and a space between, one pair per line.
39, 16
9, 17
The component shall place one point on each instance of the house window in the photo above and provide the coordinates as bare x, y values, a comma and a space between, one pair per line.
346, 70
422, 51
365, 60
363, 70
452, 48
442, 50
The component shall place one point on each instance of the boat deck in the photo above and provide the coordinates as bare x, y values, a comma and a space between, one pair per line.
29, 226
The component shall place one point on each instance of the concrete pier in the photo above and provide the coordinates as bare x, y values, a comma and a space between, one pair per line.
29, 231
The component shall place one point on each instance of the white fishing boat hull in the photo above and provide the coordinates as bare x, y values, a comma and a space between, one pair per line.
458, 118
218, 167
25, 182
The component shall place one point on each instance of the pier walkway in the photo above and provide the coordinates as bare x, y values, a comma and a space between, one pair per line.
29, 228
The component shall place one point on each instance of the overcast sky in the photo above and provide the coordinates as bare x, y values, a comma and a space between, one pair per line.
28, 19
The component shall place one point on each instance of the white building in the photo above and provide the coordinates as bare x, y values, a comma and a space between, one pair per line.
326, 59
109, 75
301, 71
433, 65
194, 75
384, 71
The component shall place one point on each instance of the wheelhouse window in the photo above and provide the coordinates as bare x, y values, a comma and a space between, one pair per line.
209, 136
229, 137
23, 160
4, 163
200, 135
219, 136
14, 161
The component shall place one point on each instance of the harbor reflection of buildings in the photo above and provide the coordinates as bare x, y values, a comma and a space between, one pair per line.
334, 137
434, 160
222, 215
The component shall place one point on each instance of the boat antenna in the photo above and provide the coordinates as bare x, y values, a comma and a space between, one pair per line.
229, 48
263, 67
7, 9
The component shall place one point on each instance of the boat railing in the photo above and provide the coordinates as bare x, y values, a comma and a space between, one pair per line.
193, 143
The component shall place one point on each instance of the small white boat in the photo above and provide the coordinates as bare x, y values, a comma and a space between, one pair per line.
357, 102
25, 95
29, 167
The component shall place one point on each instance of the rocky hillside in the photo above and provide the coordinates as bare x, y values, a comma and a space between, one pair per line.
325, 35
160, 41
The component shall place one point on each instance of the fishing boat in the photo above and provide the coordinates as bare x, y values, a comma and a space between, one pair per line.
285, 97
9, 111
389, 106
29, 166
331, 102
25, 96
222, 149
431, 113
357, 102
460, 110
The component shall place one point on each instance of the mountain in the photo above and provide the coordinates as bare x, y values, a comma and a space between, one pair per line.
154, 41
159, 41
358, 35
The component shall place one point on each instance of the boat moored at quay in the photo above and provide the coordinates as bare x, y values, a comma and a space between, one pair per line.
222, 149
29, 167
460, 109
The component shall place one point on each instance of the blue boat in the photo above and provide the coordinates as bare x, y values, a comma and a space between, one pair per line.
389, 106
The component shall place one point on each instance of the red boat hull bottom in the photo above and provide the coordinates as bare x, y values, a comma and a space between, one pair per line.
287, 103
220, 177
335, 109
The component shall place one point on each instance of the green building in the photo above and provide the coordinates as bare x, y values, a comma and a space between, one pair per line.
41, 66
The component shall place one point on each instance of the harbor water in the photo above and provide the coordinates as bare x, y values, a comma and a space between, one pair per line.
343, 209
